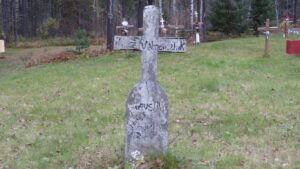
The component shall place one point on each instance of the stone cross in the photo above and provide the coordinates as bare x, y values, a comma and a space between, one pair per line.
146, 122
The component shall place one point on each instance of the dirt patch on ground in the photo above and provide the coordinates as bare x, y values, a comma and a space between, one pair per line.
36, 56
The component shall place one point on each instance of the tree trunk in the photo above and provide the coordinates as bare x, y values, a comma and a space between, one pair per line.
110, 24
5, 20
174, 8
123, 9
96, 19
277, 12
203, 13
15, 23
295, 12
192, 14
198, 8
161, 8
140, 15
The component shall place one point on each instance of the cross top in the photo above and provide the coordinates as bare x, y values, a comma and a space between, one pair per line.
150, 43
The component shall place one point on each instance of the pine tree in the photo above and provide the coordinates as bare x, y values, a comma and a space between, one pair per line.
76, 14
260, 11
228, 16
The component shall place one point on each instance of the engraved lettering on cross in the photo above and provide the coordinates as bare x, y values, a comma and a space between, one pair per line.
150, 44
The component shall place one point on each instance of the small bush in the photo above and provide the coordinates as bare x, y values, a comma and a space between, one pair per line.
82, 41
48, 28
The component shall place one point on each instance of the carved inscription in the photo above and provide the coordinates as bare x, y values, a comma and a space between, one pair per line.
126, 42
161, 44
141, 120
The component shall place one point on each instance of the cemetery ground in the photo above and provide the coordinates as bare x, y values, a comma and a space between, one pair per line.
229, 107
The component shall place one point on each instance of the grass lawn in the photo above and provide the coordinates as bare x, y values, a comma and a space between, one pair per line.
229, 108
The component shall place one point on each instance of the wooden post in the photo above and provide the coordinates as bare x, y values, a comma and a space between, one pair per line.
267, 37
2, 49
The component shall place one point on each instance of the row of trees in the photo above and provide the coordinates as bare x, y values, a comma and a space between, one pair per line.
46, 18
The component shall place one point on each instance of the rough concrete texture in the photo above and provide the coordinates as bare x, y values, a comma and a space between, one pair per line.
160, 44
146, 120
147, 104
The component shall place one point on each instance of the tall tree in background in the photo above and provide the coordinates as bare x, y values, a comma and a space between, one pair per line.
26, 18
15, 8
295, 11
96, 18
276, 5
110, 24
228, 16
5, 19
76, 14
140, 7
260, 11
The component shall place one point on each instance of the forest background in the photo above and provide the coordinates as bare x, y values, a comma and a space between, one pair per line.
21, 20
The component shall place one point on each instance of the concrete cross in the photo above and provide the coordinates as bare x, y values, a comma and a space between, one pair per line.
147, 105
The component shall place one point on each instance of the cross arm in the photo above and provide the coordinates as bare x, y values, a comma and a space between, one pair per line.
126, 42
159, 44
262, 29
121, 27
175, 26
168, 45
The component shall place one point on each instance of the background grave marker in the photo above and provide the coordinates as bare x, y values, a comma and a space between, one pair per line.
267, 31
2, 49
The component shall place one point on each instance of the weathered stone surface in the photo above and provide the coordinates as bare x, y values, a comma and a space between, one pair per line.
147, 104
146, 119
146, 125
160, 44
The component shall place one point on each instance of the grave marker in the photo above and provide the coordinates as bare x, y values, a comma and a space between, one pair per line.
147, 104
267, 36
266, 30
124, 27
2, 49
177, 28
197, 26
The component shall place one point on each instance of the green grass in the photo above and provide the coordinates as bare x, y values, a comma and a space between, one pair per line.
229, 108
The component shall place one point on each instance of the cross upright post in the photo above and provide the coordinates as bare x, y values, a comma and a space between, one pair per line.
267, 37
146, 123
